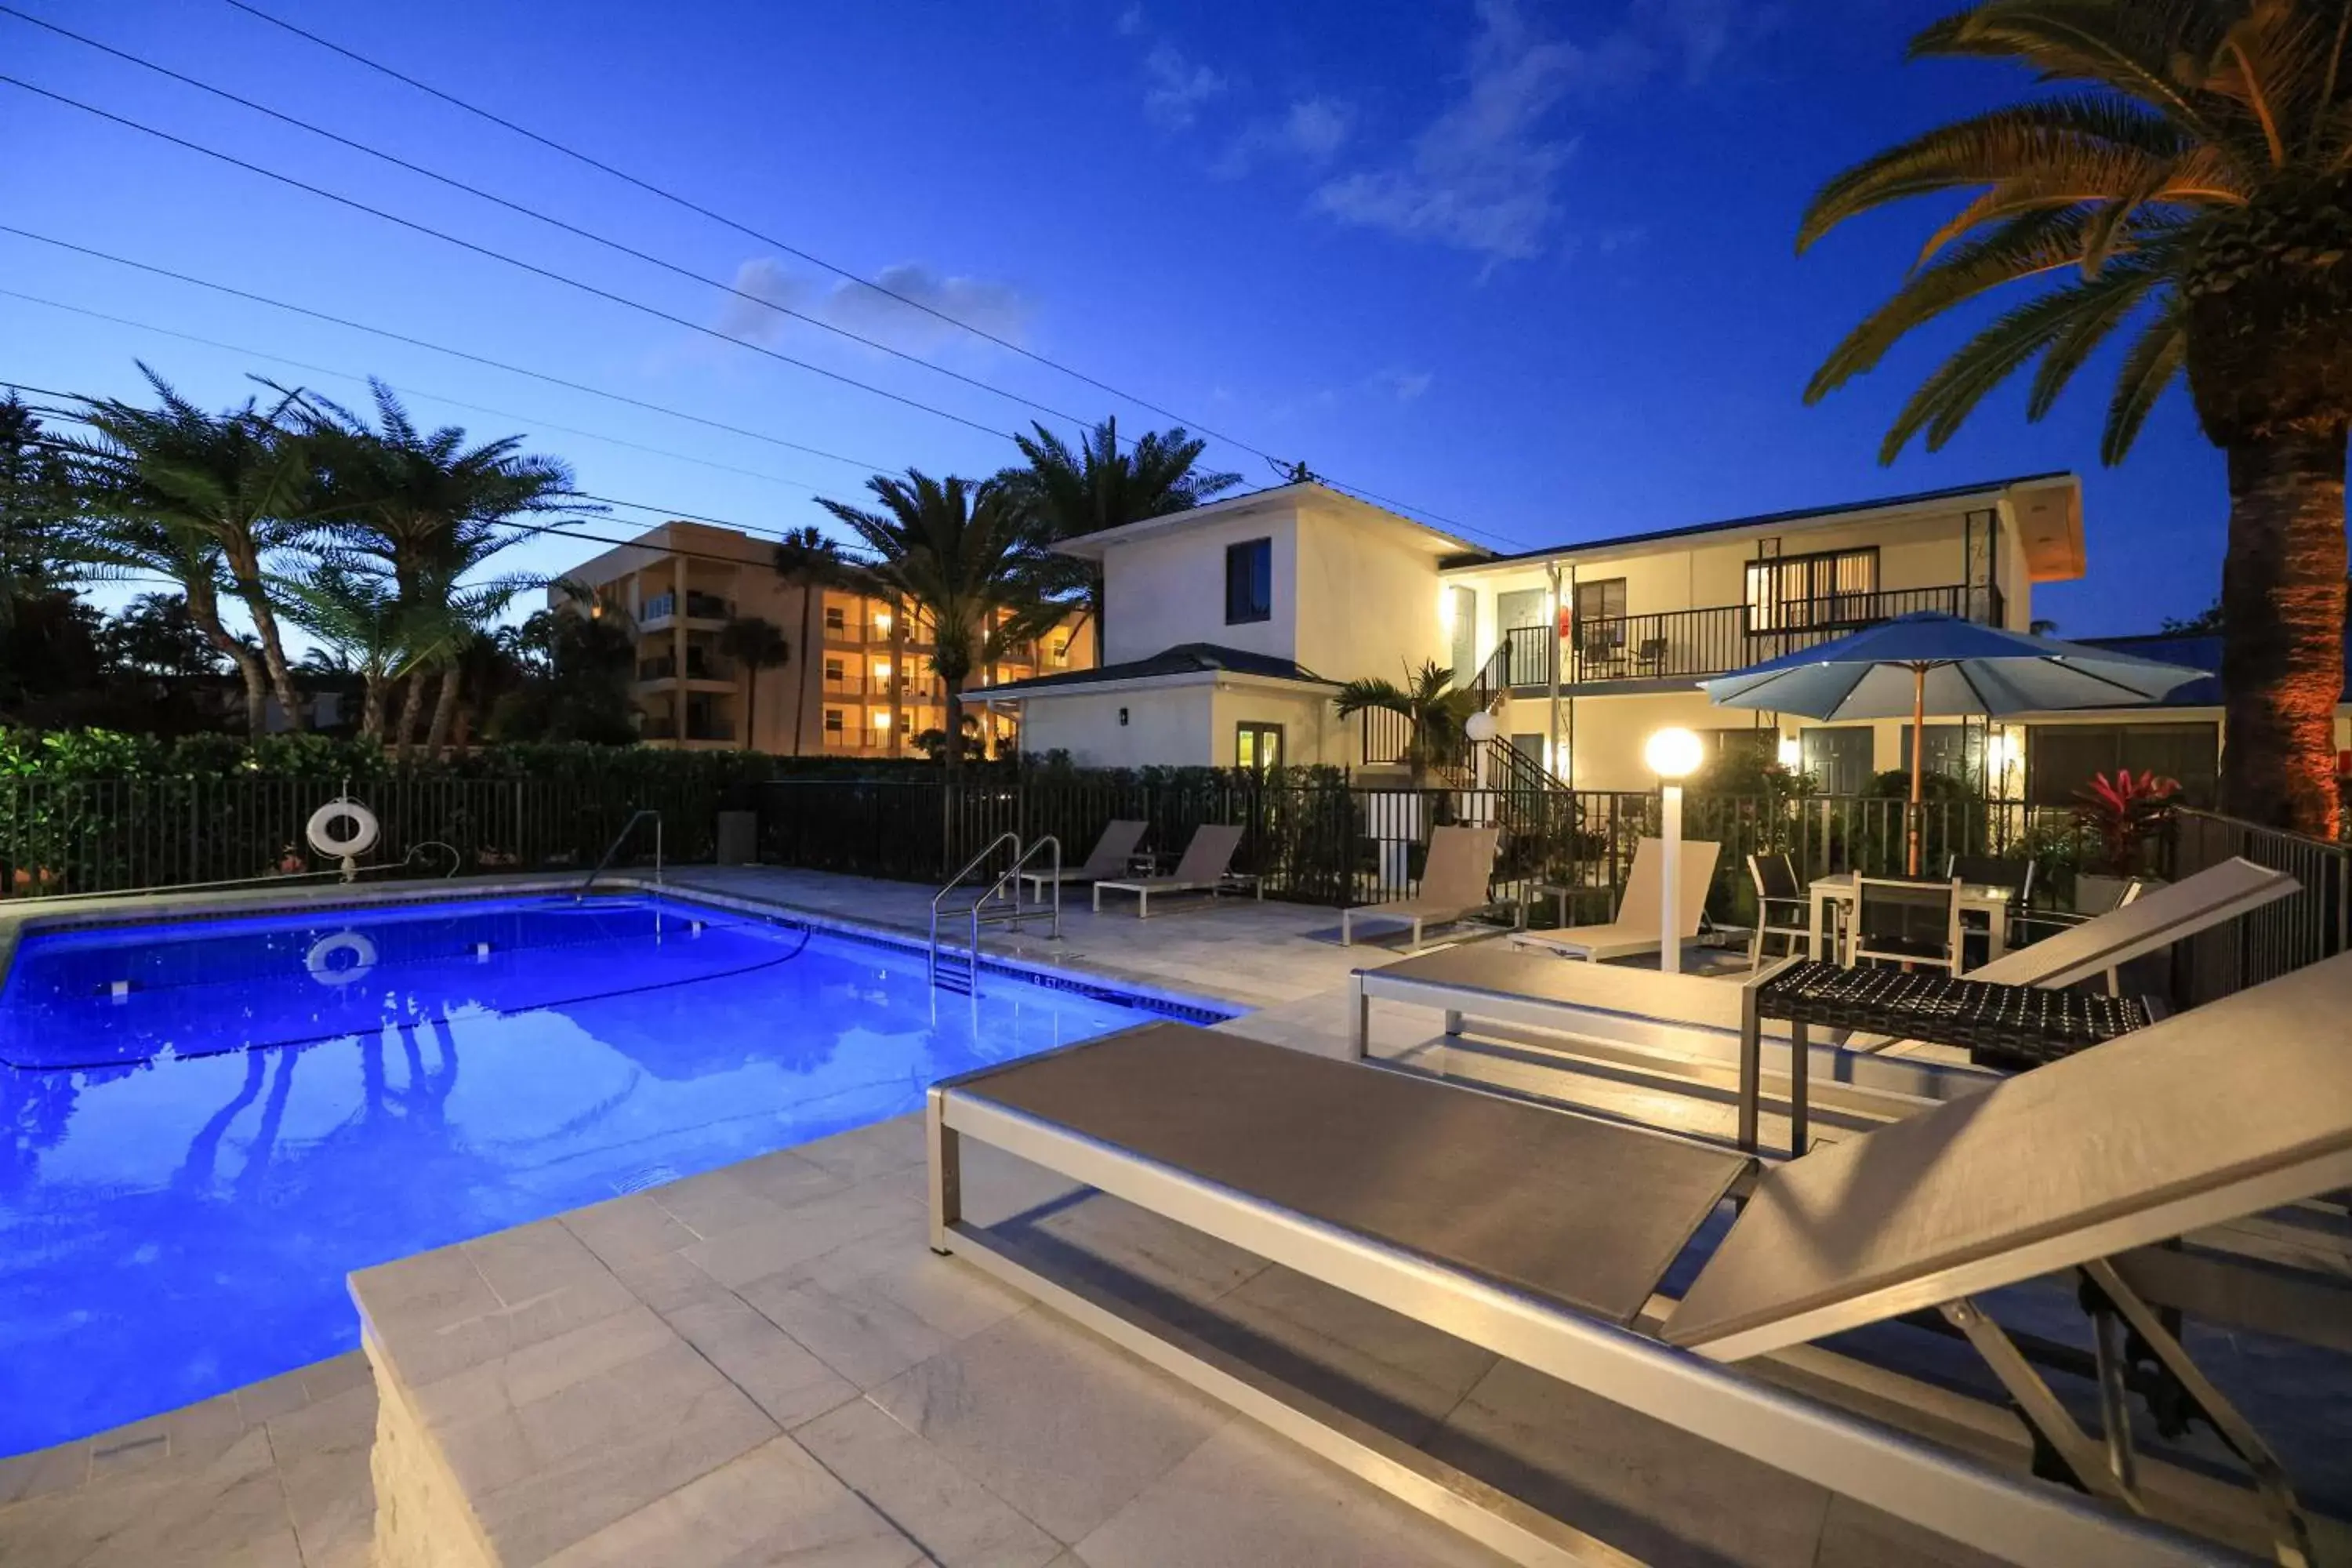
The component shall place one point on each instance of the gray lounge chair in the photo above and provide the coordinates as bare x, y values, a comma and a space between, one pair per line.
1545, 1236
1207, 861
1112, 852
1455, 881
1641, 910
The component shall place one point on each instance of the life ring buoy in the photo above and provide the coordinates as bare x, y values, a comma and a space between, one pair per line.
364, 829
327, 971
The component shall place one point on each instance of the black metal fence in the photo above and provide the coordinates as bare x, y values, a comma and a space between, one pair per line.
2313, 923
1349, 844
95, 836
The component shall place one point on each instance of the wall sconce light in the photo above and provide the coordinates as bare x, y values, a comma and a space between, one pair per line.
1791, 752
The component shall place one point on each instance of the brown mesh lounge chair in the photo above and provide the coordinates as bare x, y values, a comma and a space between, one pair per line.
1546, 1238
1454, 882
1112, 852
1639, 913
1202, 869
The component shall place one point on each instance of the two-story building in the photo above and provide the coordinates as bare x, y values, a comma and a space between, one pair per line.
1230, 627
860, 685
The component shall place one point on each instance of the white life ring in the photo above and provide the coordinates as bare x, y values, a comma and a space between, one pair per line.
364, 829
326, 972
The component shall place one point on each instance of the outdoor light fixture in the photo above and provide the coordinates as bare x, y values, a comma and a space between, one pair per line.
1480, 728
1792, 753
1674, 755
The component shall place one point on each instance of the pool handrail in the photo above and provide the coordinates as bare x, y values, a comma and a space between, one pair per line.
614, 848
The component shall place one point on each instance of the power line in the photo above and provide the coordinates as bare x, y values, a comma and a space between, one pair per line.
740, 227
424, 393
413, 341
514, 261
532, 213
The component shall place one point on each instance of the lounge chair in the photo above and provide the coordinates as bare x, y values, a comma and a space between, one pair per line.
1545, 1236
1453, 881
1206, 862
1639, 911
1112, 853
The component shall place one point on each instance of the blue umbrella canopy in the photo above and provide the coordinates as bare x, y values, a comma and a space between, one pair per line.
1946, 665
1935, 663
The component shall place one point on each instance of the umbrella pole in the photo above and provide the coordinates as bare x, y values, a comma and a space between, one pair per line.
1918, 755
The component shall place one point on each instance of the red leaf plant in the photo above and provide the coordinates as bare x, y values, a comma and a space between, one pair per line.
2123, 813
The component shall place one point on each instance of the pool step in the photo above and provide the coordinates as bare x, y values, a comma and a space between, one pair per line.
956, 970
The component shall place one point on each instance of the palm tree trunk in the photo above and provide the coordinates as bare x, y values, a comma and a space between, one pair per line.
800, 687
273, 643
445, 712
412, 702
204, 609
372, 706
955, 752
2282, 599
751, 706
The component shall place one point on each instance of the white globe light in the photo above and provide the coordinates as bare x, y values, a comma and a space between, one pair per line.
1480, 727
1673, 753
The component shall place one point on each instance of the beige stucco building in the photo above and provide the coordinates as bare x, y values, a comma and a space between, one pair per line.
856, 680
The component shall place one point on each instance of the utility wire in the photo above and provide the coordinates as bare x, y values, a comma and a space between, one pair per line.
412, 342
553, 222
740, 227
514, 261
426, 394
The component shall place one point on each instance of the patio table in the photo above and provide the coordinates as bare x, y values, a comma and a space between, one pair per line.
2014, 1026
1992, 902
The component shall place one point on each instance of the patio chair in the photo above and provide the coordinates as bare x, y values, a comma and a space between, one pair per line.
1779, 896
1995, 871
1110, 857
1206, 862
1546, 1238
1641, 910
1899, 920
1454, 882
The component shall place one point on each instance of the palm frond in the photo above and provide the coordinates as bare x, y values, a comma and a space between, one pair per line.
2153, 362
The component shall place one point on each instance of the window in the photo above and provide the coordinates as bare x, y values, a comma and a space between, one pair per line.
836, 619
834, 671
1602, 601
1838, 588
1257, 746
1060, 651
1249, 582
1839, 759
833, 724
2060, 758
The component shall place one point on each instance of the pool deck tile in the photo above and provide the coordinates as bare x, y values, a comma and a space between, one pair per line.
957, 1522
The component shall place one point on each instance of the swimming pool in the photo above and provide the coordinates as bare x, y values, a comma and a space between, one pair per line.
205, 1125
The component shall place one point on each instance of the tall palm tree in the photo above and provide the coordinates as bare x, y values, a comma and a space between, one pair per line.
756, 643
806, 557
1064, 491
39, 544
427, 508
239, 483
959, 554
1438, 715
356, 614
2193, 183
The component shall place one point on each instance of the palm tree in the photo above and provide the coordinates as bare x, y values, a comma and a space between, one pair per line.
38, 547
426, 507
1065, 492
2196, 181
356, 614
1437, 715
756, 644
806, 557
961, 553
238, 484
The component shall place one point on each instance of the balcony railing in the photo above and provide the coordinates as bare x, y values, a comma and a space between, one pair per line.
699, 606
705, 729
696, 669
1675, 645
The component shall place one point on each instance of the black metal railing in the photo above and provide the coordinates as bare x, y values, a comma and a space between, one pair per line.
1386, 735
1674, 645
2310, 924
63, 837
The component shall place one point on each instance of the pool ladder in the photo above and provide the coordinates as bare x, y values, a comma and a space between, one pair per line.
958, 968
614, 848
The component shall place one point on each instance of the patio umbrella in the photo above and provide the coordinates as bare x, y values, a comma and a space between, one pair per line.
1934, 661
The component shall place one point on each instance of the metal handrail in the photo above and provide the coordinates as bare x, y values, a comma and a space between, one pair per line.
1020, 864
614, 848
966, 869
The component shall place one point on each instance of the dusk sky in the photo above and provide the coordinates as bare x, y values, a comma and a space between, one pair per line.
1529, 267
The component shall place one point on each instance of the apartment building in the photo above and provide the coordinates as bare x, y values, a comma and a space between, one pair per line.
859, 683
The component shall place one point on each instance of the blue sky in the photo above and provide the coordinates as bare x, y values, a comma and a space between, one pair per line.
1527, 266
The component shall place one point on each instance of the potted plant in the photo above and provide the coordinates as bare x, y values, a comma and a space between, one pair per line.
2119, 819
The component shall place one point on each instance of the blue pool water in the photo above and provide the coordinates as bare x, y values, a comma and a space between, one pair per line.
189, 1169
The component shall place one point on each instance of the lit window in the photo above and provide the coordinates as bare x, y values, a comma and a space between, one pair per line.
882, 670
1061, 650
833, 669
882, 622
881, 718
836, 619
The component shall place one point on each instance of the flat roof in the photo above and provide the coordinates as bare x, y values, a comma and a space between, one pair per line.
2054, 543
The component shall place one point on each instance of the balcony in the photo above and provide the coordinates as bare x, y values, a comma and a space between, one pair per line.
698, 607
705, 729
697, 667
1693, 645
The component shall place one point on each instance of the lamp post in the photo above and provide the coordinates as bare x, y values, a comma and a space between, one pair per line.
1673, 755
1479, 728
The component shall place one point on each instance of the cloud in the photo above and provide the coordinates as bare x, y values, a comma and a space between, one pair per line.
1310, 132
994, 307
1177, 87
1404, 385
1129, 21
